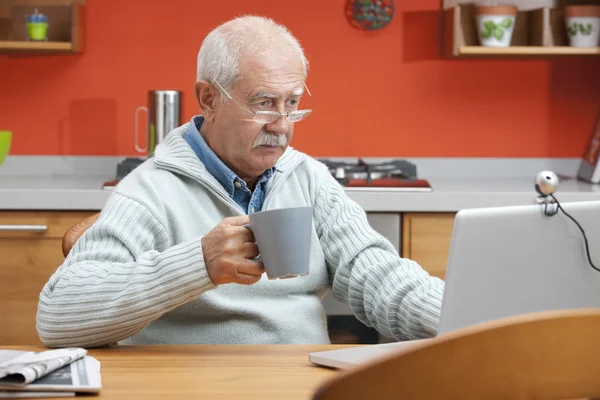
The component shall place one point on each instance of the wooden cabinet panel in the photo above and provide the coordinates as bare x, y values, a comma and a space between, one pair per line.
27, 260
57, 223
426, 239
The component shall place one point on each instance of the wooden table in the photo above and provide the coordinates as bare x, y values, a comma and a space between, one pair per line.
209, 372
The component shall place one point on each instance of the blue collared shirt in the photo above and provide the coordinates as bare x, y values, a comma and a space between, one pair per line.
237, 189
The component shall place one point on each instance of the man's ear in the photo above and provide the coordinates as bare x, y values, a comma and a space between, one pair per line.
207, 98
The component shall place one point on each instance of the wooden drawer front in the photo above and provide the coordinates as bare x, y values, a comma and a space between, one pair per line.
31, 224
426, 239
18, 323
25, 267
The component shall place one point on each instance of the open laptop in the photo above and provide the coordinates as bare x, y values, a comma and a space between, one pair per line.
506, 261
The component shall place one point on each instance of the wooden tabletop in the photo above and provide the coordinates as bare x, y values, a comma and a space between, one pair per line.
245, 372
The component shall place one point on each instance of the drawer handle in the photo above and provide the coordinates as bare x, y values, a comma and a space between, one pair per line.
23, 228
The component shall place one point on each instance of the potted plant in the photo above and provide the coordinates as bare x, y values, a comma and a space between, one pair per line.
495, 24
583, 25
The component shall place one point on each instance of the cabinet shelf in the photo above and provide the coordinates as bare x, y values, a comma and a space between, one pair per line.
66, 32
35, 47
480, 51
538, 33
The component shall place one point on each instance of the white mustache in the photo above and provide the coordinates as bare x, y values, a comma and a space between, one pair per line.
269, 139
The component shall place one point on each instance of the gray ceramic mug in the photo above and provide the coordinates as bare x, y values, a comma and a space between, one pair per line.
283, 237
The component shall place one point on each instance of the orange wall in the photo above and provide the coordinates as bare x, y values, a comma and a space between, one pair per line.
384, 93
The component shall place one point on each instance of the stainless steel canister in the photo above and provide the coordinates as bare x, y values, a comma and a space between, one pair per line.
164, 115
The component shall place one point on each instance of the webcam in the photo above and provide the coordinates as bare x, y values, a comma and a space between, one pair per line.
546, 183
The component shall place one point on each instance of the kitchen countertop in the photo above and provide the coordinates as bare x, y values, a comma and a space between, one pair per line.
448, 194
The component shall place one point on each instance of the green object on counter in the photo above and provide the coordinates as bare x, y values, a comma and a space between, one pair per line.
152, 144
37, 30
5, 139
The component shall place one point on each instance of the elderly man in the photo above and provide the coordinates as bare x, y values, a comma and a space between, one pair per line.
168, 260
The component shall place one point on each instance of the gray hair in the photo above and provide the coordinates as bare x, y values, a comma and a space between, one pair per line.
218, 58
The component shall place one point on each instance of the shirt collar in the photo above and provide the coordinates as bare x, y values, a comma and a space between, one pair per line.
212, 162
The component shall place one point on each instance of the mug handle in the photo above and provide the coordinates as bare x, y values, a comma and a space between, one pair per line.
249, 227
137, 146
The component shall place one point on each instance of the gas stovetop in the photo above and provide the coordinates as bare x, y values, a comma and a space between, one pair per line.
123, 169
393, 174
399, 175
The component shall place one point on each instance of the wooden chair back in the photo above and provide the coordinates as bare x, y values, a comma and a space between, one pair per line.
542, 356
74, 233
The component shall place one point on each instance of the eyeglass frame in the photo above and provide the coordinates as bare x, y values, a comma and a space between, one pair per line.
276, 114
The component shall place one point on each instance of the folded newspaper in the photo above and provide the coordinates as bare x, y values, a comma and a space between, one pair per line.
51, 373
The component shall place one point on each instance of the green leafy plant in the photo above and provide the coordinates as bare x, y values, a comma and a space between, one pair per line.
490, 28
575, 27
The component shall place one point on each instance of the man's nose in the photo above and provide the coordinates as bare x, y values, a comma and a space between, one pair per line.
281, 125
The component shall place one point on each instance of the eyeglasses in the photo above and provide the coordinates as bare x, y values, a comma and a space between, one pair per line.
267, 117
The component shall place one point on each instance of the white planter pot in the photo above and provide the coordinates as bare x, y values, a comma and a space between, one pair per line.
495, 30
495, 24
583, 31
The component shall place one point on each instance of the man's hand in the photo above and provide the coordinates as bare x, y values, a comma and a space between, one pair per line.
228, 252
